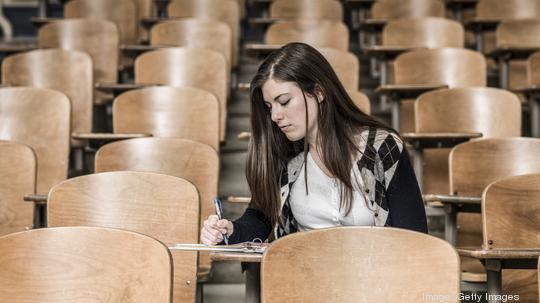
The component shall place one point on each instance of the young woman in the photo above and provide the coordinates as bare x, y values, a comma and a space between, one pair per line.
315, 160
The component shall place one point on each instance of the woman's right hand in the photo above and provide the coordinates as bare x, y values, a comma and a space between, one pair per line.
214, 229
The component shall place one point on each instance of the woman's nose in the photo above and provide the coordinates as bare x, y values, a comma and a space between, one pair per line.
276, 113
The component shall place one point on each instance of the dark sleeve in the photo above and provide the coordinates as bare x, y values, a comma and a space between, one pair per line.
253, 224
404, 198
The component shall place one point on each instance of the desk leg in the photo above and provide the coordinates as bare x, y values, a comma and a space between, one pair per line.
534, 110
450, 223
503, 73
395, 113
418, 155
253, 282
493, 268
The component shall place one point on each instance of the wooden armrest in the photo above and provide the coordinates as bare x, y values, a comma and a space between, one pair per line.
408, 90
372, 24
438, 140
37, 199
499, 253
234, 199
514, 52
451, 199
136, 49
260, 49
244, 136
482, 24
15, 45
108, 137
529, 90
243, 87
355, 4
118, 88
148, 22
262, 21
386, 51
40, 21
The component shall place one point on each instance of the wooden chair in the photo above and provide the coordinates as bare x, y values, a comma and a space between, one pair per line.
345, 64
161, 206
360, 100
182, 112
75, 264
39, 118
122, 12
319, 33
489, 111
40, 68
98, 38
476, 164
510, 209
193, 161
428, 32
197, 67
145, 9
313, 9
226, 11
388, 258
194, 32
397, 9
17, 178
453, 67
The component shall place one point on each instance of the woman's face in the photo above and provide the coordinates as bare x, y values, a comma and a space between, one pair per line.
287, 109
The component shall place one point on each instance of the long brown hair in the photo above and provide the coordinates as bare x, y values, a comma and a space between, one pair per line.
338, 121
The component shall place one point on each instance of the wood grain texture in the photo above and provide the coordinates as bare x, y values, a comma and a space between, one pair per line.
316, 9
317, 33
17, 178
397, 9
507, 9
67, 71
182, 112
193, 161
227, 11
83, 264
359, 264
345, 64
360, 100
533, 69
161, 206
39, 118
518, 33
122, 12
181, 66
97, 38
430, 32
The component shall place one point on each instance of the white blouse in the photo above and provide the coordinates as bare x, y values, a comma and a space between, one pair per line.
321, 208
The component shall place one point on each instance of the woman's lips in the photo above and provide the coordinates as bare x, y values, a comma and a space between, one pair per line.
285, 128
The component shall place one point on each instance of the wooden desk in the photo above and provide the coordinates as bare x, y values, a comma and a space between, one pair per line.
421, 141
495, 260
260, 49
384, 53
252, 264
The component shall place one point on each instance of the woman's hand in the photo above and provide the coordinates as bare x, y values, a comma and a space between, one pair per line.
214, 229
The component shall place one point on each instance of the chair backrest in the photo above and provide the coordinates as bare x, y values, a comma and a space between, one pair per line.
522, 33
316, 32
455, 67
345, 64
182, 112
73, 264
360, 100
145, 9
69, 72
194, 32
475, 164
507, 9
226, 11
17, 178
429, 32
317, 9
510, 212
533, 69
39, 118
362, 264
193, 161
183, 66
490, 111
122, 12
397, 9
98, 38
161, 206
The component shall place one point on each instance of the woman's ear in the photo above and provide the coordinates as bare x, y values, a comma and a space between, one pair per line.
319, 93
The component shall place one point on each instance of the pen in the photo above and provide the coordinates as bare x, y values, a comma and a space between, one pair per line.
219, 213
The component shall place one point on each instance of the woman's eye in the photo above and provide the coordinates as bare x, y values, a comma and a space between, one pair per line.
285, 103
